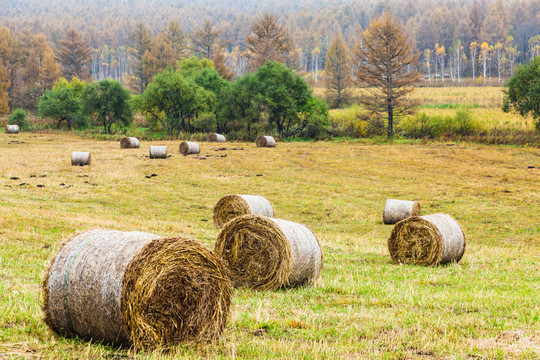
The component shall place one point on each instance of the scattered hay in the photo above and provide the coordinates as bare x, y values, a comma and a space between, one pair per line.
12, 129
427, 240
80, 158
158, 152
214, 137
265, 141
188, 147
233, 206
265, 254
397, 210
136, 289
129, 143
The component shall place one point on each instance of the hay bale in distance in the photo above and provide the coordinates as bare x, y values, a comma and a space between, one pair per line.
265, 253
397, 210
136, 289
214, 137
265, 141
158, 152
233, 206
129, 143
189, 147
427, 240
12, 129
80, 158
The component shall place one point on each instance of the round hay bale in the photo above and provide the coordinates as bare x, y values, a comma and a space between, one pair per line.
214, 137
80, 158
129, 143
265, 141
233, 206
397, 210
136, 289
189, 147
427, 240
265, 254
158, 152
12, 129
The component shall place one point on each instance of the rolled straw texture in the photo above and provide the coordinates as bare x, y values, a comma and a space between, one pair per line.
80, 158
136, 289
129, 143
214, 137
265, 254
12, 129
427, 240
397, 210
232, 206
265, 141
188, 147
158, 152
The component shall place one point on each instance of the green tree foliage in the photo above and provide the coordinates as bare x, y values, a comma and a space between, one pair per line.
18, 117
108, 103
62, 105
523, 91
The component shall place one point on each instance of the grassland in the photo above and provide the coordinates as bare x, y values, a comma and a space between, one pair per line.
485, 307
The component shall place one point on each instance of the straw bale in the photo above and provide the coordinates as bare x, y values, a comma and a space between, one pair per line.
214, 137
397, 210
129, 143
158, 152
232, 206
189, 147
265, 141
80, 158
12, 129
263, 253
136, 289
427, 240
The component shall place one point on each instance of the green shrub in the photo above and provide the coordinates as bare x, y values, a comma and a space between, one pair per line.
433, 127
18, 117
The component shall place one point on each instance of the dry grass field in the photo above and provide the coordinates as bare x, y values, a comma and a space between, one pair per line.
485, 307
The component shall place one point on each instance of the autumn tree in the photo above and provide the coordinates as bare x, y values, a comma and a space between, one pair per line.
205, 39
140, 43
473, 50
384, 59
337, 72
268, 41
6, 49
177, 38
73, 56
160, 55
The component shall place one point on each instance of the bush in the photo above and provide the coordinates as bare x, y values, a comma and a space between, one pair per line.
18, 117
433, 127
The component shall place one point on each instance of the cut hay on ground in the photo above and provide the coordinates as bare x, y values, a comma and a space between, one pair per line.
158, 152
189, 147
129, 143
397, 210
266, 254
12, 129
214, 137
427, 240
136, 289
265, 141
232, 206
80, 158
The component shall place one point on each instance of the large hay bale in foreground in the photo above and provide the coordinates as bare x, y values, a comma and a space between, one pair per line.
12, 129
80, 158
427, 240
214, 137
265, 254
397, 210
189, 147
129, 143
158, 152
233, 206
136, 289
265, 141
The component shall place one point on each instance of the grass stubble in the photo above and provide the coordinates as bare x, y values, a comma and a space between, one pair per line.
364, 306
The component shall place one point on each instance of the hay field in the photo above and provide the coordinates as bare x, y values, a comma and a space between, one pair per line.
485, 307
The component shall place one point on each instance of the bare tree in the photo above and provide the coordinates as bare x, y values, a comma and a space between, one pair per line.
383, 60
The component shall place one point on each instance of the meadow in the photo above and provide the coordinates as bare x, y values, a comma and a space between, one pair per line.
364, 306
